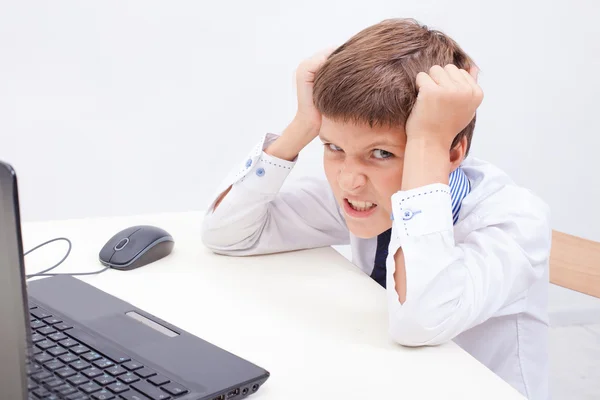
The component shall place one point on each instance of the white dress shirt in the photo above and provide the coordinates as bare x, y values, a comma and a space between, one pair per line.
481, 282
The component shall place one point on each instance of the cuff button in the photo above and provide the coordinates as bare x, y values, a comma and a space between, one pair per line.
248, 163
408, 214
260, 172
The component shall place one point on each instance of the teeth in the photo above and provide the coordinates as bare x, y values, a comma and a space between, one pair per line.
360, 205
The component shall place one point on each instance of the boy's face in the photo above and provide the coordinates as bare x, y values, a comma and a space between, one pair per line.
364, 168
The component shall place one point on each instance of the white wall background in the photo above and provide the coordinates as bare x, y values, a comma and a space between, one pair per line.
126, 107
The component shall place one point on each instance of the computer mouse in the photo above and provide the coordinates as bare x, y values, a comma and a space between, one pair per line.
135, 247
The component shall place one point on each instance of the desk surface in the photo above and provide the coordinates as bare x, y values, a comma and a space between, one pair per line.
311, 318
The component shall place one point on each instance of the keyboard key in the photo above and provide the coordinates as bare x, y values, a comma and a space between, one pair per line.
62, 327
133, 395
41, 376
91, 356
65, 390
151, 391
105, 380
68, 358
57, 337
92, 372
54, 383
47, 330
52, 397
79, 349
77, 396
57, 351
145, 372
109, 352
32, 368
42, 358
41, 392
54, 365
45, 344
90, 387
52, 320
40, 313
103, 395
35, 351
159, 380
65, 372
68, 343
31, 385
114, 355
133, 365
36, 337
175, 389
77, 380
37, 324
103, 363
79, 365
118, 387
116, 370
129, 377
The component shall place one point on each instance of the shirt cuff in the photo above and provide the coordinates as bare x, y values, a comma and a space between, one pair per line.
423, 227
258, 172
422, 211
262, 172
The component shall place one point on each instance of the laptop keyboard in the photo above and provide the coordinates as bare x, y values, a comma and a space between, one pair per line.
66, 363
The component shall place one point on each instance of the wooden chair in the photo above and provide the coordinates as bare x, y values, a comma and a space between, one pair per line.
575, 263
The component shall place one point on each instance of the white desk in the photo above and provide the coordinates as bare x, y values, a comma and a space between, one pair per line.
311, 318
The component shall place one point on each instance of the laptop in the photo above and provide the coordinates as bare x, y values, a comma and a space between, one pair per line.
61, 338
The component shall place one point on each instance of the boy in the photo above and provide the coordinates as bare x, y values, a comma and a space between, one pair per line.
461, 250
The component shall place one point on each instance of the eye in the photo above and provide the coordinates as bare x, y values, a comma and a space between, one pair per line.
332, 147
381, 154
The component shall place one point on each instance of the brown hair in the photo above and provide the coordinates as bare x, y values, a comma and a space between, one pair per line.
371, 78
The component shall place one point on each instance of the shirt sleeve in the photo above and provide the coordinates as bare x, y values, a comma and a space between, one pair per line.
257, 216
452, 286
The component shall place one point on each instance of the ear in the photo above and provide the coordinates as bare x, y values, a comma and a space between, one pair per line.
458, 153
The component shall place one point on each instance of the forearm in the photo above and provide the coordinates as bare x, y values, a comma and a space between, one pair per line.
425, 162
293, 139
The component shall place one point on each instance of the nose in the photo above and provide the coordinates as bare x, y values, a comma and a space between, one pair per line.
350, 177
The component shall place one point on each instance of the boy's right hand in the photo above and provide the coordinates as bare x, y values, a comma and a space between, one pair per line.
306, 124
305, 80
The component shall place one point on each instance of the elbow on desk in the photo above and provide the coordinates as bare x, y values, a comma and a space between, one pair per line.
416, 327
220, 240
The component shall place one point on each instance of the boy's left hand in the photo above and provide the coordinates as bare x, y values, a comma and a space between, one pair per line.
447, 100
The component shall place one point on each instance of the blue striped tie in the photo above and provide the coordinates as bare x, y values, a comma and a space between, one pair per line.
459, 188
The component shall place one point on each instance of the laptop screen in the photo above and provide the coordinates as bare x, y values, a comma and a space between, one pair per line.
13, 306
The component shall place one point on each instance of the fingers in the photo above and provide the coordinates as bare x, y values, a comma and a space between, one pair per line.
455, 75
425, 81
314, 63
476, 89
450, 77
440, 76
474, 72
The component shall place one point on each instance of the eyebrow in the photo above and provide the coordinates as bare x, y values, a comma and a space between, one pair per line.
375, 143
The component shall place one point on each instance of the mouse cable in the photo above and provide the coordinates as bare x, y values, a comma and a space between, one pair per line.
45, 272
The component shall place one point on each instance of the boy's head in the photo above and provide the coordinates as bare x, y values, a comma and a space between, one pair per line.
365, 92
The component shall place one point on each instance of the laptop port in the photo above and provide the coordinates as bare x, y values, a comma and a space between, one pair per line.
255, 388
233, 393
221, 397
245, 391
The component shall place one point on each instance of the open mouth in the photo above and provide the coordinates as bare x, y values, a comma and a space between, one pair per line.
358, 208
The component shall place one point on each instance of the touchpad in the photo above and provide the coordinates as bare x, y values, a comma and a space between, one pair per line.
131, 329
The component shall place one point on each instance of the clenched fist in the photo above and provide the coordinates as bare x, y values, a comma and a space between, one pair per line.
447, 100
